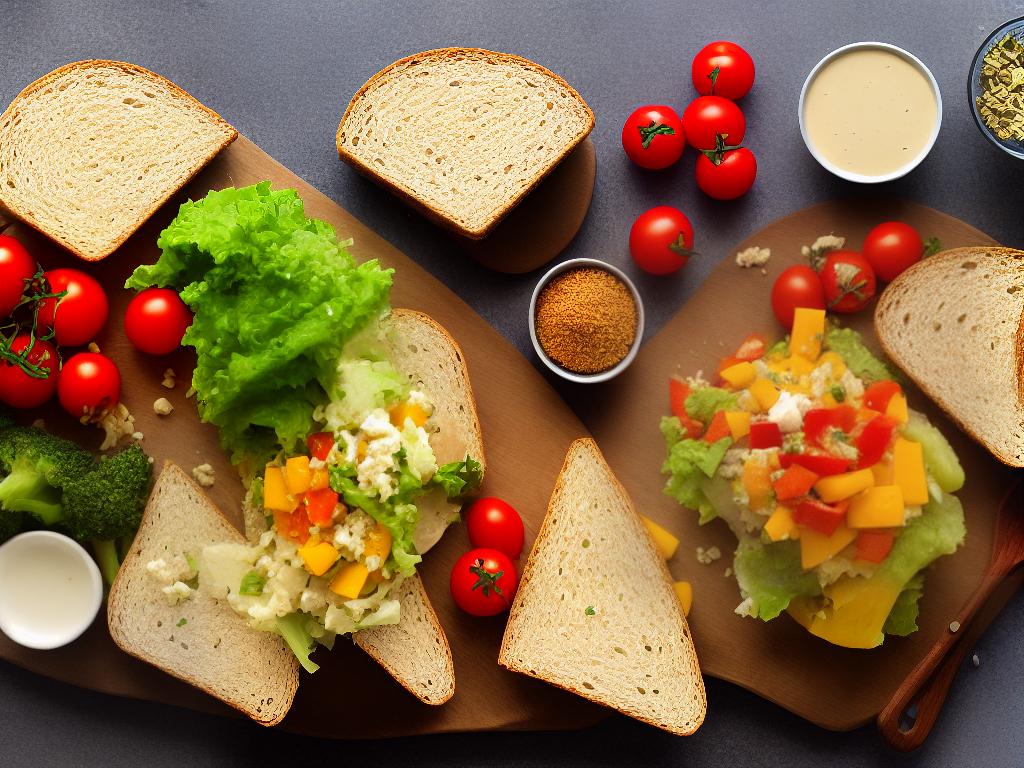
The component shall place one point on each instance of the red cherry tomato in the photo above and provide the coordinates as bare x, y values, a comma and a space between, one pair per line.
797, 286
483, 582
18, 388
728, 176
653, 136
495, 524
155, 321
89, 383
891, 248
722, 69
16, 266
708, 117
661, 240
77, 317
848, 280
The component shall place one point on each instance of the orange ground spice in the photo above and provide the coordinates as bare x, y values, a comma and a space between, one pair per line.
586, 320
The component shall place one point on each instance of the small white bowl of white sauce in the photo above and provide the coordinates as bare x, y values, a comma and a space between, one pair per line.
870, 112
50, 589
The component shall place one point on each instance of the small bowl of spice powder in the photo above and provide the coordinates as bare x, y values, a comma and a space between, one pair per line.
586, 320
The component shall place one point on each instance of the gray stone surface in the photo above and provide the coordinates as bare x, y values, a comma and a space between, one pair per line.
283, 72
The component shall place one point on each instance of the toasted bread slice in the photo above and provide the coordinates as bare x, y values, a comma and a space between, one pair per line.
93, 149
462, 133
955, 323
201, 641
596, 613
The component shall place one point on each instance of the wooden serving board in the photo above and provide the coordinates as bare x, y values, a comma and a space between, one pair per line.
834, 687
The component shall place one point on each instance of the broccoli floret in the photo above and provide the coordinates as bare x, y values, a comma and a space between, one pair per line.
37, 466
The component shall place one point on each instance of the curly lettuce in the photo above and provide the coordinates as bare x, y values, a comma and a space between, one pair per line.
688, 464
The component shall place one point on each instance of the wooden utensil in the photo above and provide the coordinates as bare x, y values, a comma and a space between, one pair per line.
927, 686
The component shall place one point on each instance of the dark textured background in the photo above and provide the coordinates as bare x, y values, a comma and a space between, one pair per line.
282, 74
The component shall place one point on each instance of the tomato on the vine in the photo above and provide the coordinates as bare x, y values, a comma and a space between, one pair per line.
796, 286
89, 384
80, 314
848, 280
155, 321
893, 247
709, 117
495, 524
723, 69
21, 388
726, 174
661, 240
483, 582
653, 136
16, 266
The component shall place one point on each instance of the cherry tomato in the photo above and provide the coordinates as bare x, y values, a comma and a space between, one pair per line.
77, 317
89, 383
495, 524
155, 321
708, 117
728, 175
653, 136
848, 280
483, 582
16, 266
661, 240
797, 286
21, 390
722, 69
891, 248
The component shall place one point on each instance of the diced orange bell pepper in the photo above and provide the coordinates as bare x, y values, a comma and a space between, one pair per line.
378, 543
909, 472
293, 525
739, 375
349, 580
404, 411
275, 491
796, 481
318, 557
718, 428
319, 479
678, 391
296, 474
878, 395
757, 483
684, 593
320, 506
874, 546
739, 423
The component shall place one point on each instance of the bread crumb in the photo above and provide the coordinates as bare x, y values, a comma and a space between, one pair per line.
954, 626
93, 347
754, 256
976, 661
728, 572
169, 379
162, 407
709, 555
203, 475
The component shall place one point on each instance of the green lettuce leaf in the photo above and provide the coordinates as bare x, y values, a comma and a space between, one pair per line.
688, 463
295, 633
858, 358
360, 386
703, 403
938, 531
770, 575
459, 477
902, 618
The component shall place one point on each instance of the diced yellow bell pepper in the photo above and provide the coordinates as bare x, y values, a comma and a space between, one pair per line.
827, 401
908, 471
897, 408
878, 507
836, 361
377, 543
349, 580
319, 479
404, 411
318, 557
800, 366
857, 612
665, 542
739, 423
361, 448
740, 375
684, 591
883, 473
808, 333
275, 492
780, 525
765, 393
296, 474
816, 548
757, 482
838, 487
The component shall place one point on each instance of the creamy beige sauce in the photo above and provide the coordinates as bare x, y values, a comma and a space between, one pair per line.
870, 112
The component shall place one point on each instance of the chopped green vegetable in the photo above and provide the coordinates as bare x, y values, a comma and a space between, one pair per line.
293, 629
459, 477
703, 403
838, 393
252, 584
688, 463
182, 621
939, 457
590, 610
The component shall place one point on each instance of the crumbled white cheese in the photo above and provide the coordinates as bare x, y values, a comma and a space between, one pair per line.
167, 572
820, 378
821, 246
162, 407
138, 436
177, 592
853, 386
169, 379
117, 423
350, 536
383, 441
373, 562
312, 600
315, 463
746, 608
204, 475
788, 411
417, 398
159, 570
753, 257
709, 555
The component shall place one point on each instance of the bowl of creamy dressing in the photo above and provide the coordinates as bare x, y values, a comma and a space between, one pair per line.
870, 112
50, 589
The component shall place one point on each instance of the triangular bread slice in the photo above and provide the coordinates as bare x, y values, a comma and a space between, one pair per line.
93, 149
462, 133
595, 613
201, 640
954, 322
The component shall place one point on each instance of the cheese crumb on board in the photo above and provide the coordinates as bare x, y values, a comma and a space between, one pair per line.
203, 475
753, 256
169, 379
709, 555
162, 407
117, 424
821, 247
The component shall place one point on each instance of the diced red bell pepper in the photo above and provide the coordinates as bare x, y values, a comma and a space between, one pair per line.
874, 440
320, 444
795, 481
823, 518
718, 428
293, 525
874, 546
320, 506
765, 434
678, 391
818, 421
878, 395
819, 464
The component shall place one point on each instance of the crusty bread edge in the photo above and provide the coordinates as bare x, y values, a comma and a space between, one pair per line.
589, 445
892, 352
134, 555
431, 212
134, 69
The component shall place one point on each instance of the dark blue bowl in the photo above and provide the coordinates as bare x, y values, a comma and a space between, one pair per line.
1015, 28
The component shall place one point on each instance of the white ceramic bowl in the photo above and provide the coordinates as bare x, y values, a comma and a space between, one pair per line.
587, 378
913, 162
50, 589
